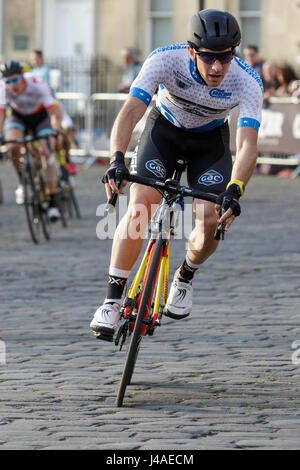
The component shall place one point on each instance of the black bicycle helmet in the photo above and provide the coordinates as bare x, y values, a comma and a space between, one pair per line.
213, 29
11, 67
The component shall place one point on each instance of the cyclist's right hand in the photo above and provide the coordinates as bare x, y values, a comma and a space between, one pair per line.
115, 175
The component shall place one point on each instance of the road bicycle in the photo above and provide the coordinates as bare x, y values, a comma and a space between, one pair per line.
35, 197
66, 187
144, 304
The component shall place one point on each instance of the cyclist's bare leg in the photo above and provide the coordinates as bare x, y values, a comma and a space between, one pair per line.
128, 241
67, 143
14, 149
49, 165
201, 244
129, 236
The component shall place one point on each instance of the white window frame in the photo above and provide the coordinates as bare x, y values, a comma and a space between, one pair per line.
150, 15
2, 27
240, 14
45, 26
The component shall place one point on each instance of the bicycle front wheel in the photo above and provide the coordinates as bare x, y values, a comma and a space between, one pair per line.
46, 224
1, 193
143, 310
31, 203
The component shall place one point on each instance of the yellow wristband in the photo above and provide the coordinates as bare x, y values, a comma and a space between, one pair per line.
239, 183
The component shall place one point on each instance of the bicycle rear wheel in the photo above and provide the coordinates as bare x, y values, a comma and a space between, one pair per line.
62, 204
72, 204
145, 305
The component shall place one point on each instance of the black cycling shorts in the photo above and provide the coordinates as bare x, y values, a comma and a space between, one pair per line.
208, 156
39, 123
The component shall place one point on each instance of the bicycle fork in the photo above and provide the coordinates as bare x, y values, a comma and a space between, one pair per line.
155, 307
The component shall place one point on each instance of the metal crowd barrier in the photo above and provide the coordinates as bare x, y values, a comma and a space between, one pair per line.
287, 134
105, 107
103, 110
77, 106
93, 117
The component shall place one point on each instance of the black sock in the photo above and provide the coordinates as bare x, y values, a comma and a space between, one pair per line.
186, 273
52, 200
19, 173
115, 287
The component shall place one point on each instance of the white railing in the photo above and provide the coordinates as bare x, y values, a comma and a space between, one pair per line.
94, 115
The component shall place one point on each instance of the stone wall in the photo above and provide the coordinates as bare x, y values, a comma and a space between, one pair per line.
19, 22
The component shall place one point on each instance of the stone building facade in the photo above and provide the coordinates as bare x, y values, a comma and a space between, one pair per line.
102, 27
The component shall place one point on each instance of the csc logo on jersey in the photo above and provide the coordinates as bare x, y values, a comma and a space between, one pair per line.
156, 167
211, 177
221, 94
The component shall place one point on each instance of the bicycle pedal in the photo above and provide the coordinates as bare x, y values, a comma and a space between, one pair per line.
105, 334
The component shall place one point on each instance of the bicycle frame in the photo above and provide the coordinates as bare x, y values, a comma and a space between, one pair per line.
161, 281
146, 300
162, 225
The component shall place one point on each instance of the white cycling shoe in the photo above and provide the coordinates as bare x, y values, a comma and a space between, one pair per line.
105, 321
53, 214
179, 303
20, 194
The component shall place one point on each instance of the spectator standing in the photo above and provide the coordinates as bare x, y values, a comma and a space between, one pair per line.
132, 68
286, 76
270, 79
251, 57
294, 88
39, 69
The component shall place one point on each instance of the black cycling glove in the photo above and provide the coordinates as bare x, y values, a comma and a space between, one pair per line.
117, 168
229, 199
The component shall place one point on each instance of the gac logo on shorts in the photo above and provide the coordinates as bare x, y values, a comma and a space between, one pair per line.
211, 177
156, 167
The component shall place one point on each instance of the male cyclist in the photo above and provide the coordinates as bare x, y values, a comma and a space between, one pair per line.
33, 109
198, 84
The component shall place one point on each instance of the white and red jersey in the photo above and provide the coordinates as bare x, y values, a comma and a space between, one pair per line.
185, 99
35, 97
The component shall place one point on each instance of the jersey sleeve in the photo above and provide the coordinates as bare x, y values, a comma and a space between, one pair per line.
2, 97
47, 97
250, 108
149, 77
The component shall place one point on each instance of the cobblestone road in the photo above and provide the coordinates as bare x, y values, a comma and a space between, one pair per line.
221, 379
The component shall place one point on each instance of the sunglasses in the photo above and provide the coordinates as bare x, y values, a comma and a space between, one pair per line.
13, 80
211, 57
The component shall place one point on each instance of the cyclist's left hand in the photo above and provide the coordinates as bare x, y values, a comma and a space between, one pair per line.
230, 198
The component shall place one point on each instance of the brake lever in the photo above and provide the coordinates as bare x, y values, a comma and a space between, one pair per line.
220, 232
111, 203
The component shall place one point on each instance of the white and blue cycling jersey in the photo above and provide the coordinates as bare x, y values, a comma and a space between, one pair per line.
185, 99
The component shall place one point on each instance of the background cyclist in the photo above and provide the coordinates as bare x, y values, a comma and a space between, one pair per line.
198, 84
32, 108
